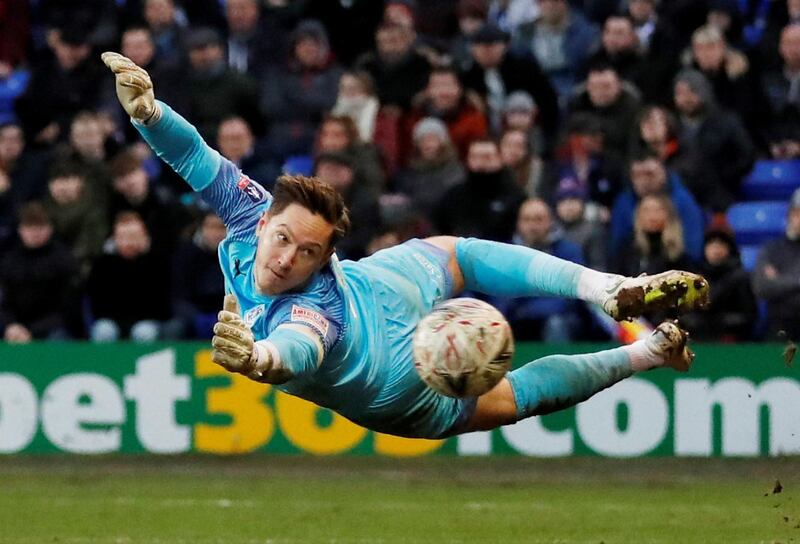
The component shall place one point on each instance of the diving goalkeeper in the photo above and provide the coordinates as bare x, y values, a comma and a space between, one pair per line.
339, 333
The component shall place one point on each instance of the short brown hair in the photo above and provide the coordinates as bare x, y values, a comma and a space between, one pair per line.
317, 197
124, 163
34, 214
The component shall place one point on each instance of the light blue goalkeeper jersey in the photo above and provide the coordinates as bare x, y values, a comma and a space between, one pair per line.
364, 312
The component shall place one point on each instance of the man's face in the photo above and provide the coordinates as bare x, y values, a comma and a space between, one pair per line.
641, 10
793, 224
309, 52
709, 55
292, 246
12, 143
444, 91
716, 251
87, 138
235, 139
618, 35
133, 186
206, 57
138, 46
65, 190
469, 24
514, 147
484, 158
212, 230
35, 236
242, 15
553, 12
489, 55
570, 210
654, 127
790, 46
393, 43
534, 223
339, 176
687, 101
603, 87
648, 177
429, 145
333, 137
159, 13
131, 239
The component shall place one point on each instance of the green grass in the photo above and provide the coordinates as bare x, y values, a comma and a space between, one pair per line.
262, 499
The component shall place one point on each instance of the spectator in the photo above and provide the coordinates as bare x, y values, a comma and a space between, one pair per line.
132, 192
14, 34
715, 151
775, 278
434, 166
398, 70
237, 143
79, 81
168, 34
253, 44
656, 35
338, 134
137, 311
444, 98
509, 15
562, 40
549, 319
619, 47
472, 14
732, 312
727, 70
37, 279
583, 157
581, 223
781, 88
657, 243
485, 205
351, 24
613, 102
648, 177
198, 284
336, 169
76, 218
214, 91
297, 95
520, 157
657, 132
496, 73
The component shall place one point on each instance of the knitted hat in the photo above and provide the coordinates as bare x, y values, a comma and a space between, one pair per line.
430, 125
519, 101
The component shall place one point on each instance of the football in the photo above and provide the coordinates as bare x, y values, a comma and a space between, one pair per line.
463, 348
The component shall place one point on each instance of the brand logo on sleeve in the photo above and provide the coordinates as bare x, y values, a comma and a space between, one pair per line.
253, 190
253, 314
311, 318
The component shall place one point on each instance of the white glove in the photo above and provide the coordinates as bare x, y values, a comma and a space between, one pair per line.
134, 88
234, 345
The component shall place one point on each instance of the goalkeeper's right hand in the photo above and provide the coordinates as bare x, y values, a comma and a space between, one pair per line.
134, 88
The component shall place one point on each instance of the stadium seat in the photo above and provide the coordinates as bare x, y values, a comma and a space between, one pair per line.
771, 180
755, 222
299, 165
749, 255
10, 89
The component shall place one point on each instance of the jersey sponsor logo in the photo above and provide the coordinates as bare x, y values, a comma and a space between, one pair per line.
253, 314
315, 319
253, 190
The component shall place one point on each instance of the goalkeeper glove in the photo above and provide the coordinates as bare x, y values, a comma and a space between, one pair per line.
134, 88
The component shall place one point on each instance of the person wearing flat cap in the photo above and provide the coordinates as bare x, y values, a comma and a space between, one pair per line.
497, 72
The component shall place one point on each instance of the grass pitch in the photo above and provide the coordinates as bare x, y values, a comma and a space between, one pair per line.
275, 499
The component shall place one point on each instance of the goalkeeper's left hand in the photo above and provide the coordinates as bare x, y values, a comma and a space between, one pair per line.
234, 345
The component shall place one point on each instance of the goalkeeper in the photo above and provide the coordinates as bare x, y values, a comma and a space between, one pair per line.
340, 334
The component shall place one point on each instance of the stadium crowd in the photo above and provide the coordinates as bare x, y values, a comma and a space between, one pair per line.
611, 133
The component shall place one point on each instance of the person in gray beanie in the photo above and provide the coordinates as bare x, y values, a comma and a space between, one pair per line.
715, 150
434, 166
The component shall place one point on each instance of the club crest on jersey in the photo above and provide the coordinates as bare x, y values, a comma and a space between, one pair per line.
251, 315
253, 190
314, 319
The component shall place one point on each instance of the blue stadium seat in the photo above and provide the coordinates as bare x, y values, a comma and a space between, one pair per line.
755, 222
749, 254
10, 89
298, 165
771, 180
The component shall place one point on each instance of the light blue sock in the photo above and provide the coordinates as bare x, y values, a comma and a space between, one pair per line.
508, 270
556, 382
